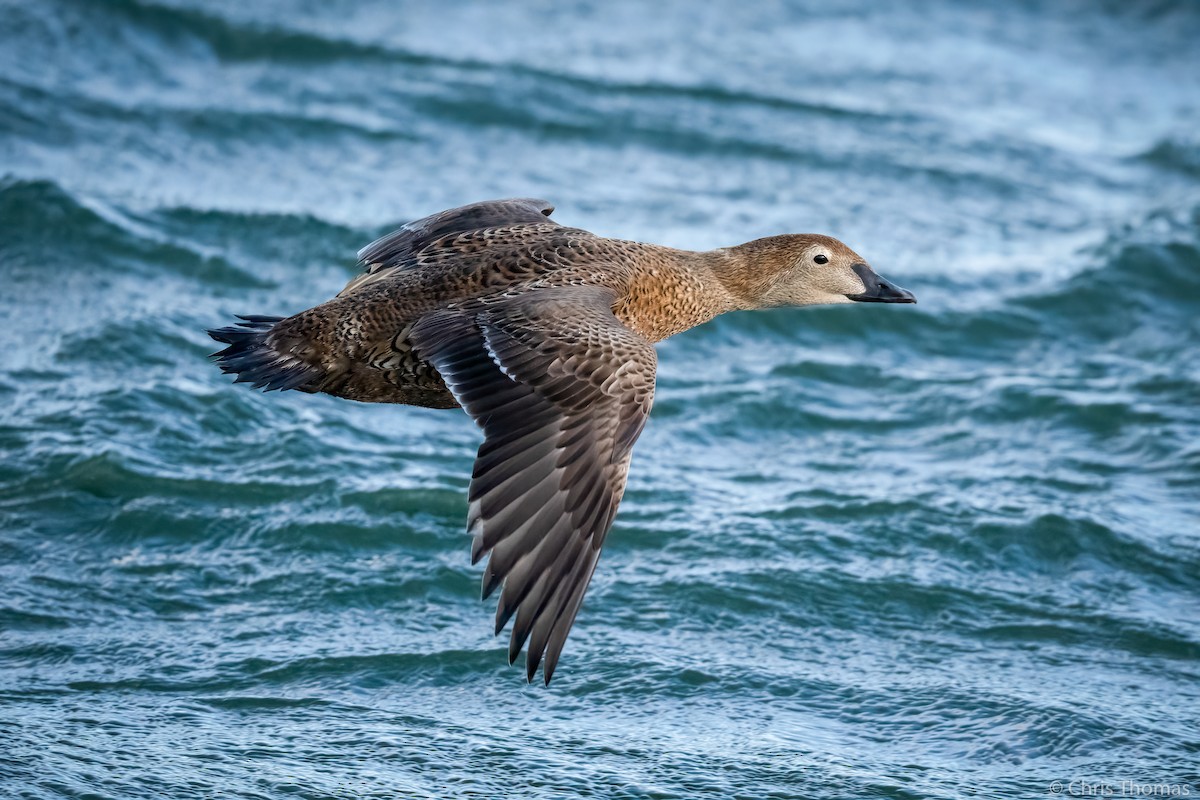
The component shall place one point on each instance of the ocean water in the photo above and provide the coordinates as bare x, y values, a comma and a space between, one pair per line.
930, 551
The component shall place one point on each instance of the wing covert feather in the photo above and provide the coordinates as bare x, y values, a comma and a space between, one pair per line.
399, 248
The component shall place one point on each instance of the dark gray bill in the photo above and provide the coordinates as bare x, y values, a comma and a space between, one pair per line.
878, 290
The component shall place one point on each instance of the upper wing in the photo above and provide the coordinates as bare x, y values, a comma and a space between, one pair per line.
562, 390
398, 247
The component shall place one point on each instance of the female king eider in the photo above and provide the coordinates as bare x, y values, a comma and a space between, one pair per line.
545, 335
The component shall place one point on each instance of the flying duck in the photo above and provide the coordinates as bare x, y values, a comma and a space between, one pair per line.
544, 335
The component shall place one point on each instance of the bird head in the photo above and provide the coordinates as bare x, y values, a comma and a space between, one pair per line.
810, 269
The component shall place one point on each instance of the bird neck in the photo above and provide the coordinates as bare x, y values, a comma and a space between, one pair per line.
672, 291
749, 271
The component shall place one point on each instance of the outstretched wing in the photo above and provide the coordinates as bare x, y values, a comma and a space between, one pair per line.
398, 247
562, 390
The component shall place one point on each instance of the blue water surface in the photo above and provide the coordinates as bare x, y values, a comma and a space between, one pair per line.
929, 551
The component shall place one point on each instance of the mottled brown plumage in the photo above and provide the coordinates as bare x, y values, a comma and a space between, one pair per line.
544, 335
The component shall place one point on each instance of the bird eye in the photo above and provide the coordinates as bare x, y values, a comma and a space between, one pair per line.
821, 259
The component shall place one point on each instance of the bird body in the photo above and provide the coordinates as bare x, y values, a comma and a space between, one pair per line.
544, 334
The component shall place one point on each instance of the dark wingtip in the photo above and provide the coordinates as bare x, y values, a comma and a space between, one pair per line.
532, 661
221, 335
503, 614
514, 646
491, 580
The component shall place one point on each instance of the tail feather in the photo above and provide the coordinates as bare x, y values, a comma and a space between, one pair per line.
251, 356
